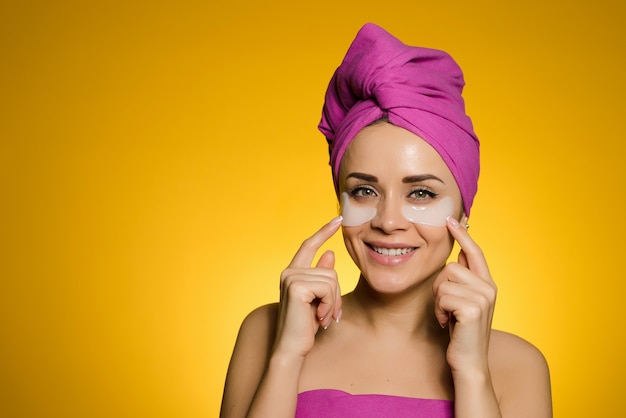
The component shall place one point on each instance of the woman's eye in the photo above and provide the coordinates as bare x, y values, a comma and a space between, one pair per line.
423, 194
363, 192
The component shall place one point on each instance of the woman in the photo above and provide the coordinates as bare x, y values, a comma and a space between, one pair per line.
414, 338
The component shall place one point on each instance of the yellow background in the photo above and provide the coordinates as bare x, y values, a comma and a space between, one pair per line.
160, 164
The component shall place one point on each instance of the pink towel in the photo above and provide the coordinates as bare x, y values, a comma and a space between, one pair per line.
416, 88
328, 403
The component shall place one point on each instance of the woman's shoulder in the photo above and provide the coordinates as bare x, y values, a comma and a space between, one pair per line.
519, 370
505, 347
256, 335
249, 358
260, 323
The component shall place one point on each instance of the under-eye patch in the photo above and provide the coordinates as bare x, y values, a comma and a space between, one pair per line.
433, 214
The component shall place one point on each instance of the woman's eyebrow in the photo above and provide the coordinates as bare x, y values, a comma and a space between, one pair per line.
421, 177
365, 177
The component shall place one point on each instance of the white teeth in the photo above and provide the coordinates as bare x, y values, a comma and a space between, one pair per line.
393, 251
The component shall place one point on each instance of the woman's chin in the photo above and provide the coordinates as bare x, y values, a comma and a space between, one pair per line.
389, 283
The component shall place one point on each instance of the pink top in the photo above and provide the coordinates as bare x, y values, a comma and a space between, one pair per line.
331, 403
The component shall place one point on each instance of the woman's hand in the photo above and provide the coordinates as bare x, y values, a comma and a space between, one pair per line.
465, 296
309, 296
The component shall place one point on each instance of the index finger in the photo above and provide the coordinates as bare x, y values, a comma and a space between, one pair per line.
308, 249
473, 255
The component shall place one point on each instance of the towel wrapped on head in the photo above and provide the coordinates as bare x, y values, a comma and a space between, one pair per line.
418, 89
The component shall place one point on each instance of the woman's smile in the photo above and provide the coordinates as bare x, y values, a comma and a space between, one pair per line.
389, 254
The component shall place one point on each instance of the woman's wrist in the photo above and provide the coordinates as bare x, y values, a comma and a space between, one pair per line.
474, 376
474, 394
285, 360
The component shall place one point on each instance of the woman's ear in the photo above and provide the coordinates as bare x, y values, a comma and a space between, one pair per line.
464, 221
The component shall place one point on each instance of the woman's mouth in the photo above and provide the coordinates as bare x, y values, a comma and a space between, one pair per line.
393, 252
390, 255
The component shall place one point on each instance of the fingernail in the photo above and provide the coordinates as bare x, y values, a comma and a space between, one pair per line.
336, 221
322, 323
453, 222
328, 322
339, 315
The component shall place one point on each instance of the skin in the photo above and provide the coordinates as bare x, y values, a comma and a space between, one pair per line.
414, 326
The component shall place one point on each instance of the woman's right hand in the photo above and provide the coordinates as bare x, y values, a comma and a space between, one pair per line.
309, 296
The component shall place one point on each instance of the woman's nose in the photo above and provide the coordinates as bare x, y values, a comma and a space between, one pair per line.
389, 216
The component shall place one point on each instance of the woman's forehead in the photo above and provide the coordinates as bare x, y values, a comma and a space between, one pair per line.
391, 150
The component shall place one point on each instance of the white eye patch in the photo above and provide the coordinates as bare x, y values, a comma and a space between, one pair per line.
432, 215
355, 215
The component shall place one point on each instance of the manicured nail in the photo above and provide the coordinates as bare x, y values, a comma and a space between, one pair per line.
453, 222
339, 315
336, 221
327, 323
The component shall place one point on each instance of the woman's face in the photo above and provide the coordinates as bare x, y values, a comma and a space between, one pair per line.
391, 169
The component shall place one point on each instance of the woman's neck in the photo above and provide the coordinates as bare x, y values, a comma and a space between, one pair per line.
410, 312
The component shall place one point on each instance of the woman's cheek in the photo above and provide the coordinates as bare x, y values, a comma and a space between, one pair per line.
437, 237
350, 240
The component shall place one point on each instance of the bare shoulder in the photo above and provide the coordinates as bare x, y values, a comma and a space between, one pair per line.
507, 344
260, 323
520, 374
252, 349
256, 335
505, 347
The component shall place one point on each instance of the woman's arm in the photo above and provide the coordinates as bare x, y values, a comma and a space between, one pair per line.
248, 361
516, 385
273, 342
521, 377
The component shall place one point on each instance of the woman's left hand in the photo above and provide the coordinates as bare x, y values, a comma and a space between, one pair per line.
465, 296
